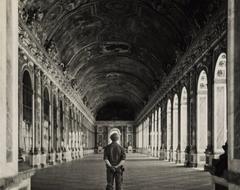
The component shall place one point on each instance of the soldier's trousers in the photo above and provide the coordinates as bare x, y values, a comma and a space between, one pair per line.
114, 176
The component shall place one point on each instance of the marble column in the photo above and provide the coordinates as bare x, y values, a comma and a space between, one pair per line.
51, 151
67, 124
190, 100
164, 153
64, 126
58, 130
33, 114
42, 122
233, 93
35, 160
9, 88
145, 134
193, 119
67, 154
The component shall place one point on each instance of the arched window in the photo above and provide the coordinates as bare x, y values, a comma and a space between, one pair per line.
46, 124
220, 104
25, 132
202, 112
175, 126
169, 125
183, 124
27, 97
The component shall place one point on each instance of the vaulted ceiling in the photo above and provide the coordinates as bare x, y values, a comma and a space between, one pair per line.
116, 51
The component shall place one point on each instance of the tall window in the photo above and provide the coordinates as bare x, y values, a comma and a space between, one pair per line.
27, 97
175, 123
183, 124
202, 112
25, 132
220, 104
46, 128
169, 125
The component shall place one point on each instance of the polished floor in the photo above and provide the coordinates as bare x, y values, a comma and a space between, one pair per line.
142, 173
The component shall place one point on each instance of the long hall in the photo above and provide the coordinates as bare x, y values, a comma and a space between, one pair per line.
162, 76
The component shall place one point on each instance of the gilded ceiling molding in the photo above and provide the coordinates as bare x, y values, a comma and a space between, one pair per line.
211, 35
31, 48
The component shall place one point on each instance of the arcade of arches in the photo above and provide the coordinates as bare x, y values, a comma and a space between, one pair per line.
164, 75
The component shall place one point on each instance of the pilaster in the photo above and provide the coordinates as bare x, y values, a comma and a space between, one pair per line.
192, 116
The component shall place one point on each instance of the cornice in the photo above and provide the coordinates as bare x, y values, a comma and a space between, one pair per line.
208, 38
111, 123
30, 46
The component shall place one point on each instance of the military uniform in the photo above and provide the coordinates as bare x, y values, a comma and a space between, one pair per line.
114, 153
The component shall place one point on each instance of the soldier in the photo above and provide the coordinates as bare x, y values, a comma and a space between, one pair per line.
114, 157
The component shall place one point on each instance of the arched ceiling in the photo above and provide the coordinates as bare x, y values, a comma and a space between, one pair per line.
116, 50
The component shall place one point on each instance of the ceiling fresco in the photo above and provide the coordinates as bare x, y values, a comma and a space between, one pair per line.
116, 50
